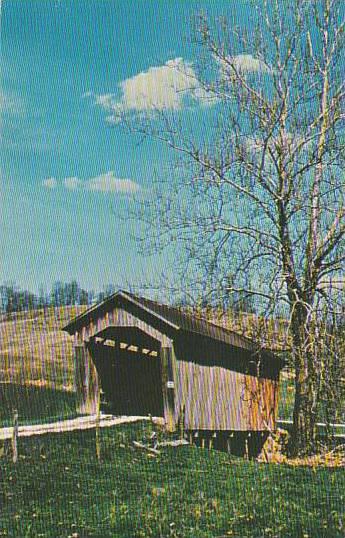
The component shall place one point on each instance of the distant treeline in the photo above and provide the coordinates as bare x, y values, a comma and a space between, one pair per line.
15, 299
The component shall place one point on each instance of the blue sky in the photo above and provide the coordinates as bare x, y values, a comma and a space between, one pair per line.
66, 170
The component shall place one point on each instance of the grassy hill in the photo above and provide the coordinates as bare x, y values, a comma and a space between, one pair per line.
34, 351
36, 365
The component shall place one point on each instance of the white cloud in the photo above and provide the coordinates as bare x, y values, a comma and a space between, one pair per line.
109, 183
290, 140
105, 101
169, 87
106, 183
49, 183
11, 104
244, 64
72, 183
159, 88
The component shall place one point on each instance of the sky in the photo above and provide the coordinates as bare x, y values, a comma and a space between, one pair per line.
68, 171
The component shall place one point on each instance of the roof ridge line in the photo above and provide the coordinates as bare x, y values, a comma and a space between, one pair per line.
138, 303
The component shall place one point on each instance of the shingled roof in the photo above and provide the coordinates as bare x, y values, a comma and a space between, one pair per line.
173, 319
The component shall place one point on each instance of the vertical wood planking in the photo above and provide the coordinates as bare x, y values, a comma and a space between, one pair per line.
119, 318
86, 381
216, 398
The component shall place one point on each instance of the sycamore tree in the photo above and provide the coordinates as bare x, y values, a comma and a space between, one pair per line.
255, 199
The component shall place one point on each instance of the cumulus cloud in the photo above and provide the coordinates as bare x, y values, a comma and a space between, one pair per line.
49, 183
244, 64
106, 100
161, 87
72, 183
109, 183
11, 104
169, 87
106, 183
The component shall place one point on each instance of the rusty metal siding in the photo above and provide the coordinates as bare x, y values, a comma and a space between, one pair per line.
261, 397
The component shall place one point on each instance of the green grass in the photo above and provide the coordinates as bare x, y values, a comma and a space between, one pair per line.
58, 489
35, 404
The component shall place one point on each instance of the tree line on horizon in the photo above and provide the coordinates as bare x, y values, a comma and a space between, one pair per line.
15, 299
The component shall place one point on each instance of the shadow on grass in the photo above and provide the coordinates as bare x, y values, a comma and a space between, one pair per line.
35, 404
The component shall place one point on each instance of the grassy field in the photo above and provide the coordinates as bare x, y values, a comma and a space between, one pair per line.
58, 489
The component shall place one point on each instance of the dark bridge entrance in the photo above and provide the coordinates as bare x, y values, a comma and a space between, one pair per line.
129, 368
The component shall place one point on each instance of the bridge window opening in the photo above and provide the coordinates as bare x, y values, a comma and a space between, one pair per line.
110, 343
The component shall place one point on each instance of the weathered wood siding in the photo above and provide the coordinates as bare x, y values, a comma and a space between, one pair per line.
120, 318
86, 381
216, 398
208, 396
261, 397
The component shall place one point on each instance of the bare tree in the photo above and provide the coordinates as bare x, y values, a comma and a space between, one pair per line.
256, 197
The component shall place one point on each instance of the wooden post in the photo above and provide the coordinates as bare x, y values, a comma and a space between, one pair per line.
15, 436
214, 436
182, 423
246, 449
98, 420
168, 387
228, 443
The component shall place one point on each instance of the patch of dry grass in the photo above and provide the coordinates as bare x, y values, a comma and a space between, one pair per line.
34, 351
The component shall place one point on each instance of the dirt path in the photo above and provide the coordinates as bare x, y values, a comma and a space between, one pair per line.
80, 423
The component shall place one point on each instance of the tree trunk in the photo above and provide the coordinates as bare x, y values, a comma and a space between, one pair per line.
303, 436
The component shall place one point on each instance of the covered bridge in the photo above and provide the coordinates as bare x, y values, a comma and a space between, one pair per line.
151, 358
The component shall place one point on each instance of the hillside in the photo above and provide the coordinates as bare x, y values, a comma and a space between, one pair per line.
34, 350
269, 333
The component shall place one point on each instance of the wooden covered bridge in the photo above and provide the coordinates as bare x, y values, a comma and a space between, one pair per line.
151, 358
